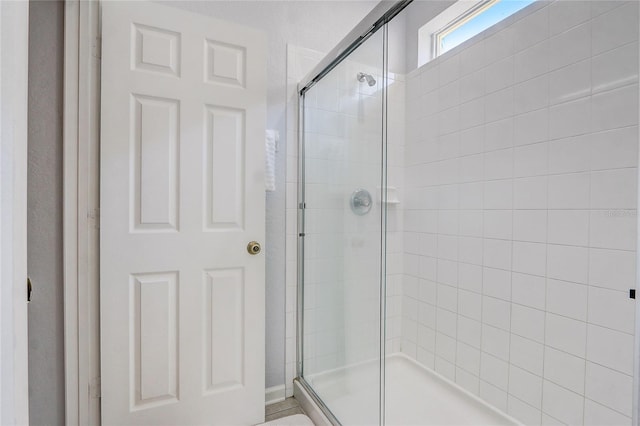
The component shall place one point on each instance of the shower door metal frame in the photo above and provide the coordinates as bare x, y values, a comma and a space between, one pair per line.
376, 20
300, 268
384, 12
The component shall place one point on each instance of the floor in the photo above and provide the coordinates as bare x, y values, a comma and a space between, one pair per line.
288, 407
414, 395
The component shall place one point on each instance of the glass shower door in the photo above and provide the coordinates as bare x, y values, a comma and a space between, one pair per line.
343, 172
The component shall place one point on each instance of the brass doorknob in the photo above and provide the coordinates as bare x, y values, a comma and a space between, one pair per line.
253, 247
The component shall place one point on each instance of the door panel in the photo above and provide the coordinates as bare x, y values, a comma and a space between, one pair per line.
224, 164
155, 123
155, 346
224, 306
182, 192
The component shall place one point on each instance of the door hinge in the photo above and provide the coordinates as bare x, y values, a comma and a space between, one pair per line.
29, 289
95, 388
96, 47
94, 215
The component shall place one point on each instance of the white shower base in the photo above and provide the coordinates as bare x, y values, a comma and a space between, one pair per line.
414, 396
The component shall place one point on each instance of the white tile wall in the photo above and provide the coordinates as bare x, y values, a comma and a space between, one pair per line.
520, 213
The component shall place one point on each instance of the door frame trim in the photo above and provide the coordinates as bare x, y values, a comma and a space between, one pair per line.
81, 199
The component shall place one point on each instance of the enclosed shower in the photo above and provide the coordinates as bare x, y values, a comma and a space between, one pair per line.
467, 227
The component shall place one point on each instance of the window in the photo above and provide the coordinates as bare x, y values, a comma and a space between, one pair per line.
460, 22
484, 16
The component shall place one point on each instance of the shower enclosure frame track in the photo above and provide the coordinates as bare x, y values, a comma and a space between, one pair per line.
384, 12
376, 20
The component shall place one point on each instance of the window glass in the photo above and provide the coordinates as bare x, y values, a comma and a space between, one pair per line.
484, 18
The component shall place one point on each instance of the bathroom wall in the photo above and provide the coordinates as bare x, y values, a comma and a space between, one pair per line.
44, 214
520, 213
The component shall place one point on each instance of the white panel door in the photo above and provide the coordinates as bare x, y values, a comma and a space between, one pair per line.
182, 193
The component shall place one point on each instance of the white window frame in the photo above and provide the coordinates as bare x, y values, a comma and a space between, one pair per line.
462, 19
455, 16
426, 45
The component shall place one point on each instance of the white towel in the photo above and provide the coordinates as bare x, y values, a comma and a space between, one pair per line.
271, 140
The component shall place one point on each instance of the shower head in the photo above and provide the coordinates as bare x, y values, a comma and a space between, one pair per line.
368, 77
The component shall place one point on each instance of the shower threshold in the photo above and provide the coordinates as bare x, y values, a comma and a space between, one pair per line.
414, 395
